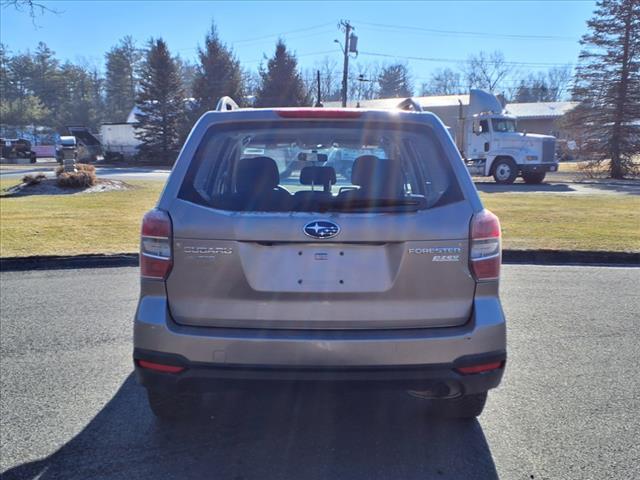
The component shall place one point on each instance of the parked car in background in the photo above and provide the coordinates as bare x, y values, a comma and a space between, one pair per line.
17, 148
387, 277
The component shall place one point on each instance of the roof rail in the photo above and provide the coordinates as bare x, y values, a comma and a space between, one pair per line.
409, 104
226, 104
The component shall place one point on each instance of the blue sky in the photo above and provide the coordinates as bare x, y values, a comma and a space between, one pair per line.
540, 33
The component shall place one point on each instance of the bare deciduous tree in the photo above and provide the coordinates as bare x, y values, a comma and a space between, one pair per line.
486, 70
443, 82
30, 6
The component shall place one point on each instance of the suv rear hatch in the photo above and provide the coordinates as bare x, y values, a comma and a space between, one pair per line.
320, 225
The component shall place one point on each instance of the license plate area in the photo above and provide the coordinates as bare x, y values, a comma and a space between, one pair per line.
318, 267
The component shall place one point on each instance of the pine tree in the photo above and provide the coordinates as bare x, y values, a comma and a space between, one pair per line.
394, 82
607, 84
46, 82
218, 74
161, 104
122, 62
281, 83
81, 102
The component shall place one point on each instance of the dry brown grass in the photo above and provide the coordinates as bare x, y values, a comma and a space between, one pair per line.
83, 177
31, 180
81, 167
596, 169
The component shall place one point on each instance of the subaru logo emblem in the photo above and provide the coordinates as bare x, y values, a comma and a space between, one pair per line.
321, 229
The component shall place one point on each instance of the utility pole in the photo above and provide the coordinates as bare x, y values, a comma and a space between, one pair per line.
319, 100
345, 72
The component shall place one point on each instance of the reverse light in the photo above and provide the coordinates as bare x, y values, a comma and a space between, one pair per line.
160, 367
319, 113
485, 255
155, 245
484, 367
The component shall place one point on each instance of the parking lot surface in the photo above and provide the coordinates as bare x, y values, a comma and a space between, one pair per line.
568, 407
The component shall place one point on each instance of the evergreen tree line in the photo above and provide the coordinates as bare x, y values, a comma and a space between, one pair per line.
171, 93
38, 89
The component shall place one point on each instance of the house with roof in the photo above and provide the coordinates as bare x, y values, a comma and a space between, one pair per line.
542, 117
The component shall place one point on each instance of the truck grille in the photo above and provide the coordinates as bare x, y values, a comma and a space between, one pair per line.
548, 150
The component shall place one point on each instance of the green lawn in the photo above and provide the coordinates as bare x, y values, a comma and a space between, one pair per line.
72, 224
567, 222
110, 222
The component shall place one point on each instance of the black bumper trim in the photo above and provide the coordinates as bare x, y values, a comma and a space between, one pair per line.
209, 377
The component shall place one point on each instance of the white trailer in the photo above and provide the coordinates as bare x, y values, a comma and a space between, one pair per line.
487, 137
119, 141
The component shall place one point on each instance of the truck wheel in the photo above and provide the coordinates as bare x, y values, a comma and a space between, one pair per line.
533, 177
171, 407
505, 171
468, 406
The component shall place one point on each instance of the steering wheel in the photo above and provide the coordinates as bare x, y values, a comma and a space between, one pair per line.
282, 189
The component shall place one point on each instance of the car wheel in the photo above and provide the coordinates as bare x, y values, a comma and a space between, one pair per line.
533, 177
168, 406
467, 406
505, 171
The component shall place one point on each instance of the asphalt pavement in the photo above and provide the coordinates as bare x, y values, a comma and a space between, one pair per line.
568, 407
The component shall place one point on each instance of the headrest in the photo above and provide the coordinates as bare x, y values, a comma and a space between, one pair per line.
371, 172
257, 174
318, 176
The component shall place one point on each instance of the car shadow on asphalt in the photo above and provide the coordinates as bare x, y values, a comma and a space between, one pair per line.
309, 433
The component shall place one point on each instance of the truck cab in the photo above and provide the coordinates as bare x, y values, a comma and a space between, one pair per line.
492, 146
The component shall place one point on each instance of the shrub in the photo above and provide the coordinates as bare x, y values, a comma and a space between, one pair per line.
85, 167
31, 180
80, 167
79, 179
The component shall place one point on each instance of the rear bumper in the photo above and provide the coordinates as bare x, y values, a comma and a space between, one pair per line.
539, 167
413, 358
440, 380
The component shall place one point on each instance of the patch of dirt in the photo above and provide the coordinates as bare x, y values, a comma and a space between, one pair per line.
50, 187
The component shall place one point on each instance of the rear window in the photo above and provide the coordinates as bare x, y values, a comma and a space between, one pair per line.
320, 166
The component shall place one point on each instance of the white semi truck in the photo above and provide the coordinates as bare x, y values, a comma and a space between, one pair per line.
486, 136
490, 143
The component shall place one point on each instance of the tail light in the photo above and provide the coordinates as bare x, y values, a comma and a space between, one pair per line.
155, 245
485, 254
484, 367
160, 367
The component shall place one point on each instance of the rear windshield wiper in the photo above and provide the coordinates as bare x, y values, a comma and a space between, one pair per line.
405, 204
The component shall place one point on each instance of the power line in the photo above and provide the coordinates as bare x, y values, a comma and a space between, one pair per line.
454, 60
306, 29
309, 54
274, 35
470, 33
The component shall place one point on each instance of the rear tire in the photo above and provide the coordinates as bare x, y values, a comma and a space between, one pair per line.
468, 406
533, 177
171, 407
505, 171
